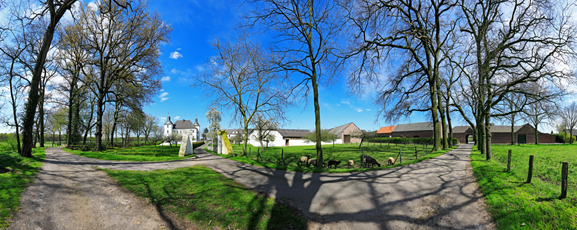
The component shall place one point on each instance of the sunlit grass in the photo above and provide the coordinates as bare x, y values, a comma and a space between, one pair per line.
203, 196
512, 202
141, 153
21, 173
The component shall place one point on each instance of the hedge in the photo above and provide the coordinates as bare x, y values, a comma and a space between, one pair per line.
407, 140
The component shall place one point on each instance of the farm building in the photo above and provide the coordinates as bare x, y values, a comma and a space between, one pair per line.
501, 134
344, 133
420, 129
462, 133
385, 131
294, 137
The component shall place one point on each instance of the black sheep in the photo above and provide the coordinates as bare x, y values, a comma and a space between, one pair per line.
369, 161
335, 163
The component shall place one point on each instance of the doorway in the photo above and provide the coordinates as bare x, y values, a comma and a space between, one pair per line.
522, 139
286, 142
347, 139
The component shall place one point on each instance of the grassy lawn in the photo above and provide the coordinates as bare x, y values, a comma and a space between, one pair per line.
203, 196
513, 202
271, 157
142, 153
21, 173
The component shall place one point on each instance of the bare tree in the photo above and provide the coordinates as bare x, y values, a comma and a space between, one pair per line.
305, 42
263, 128
568, 115
124, 44
149, 124
416, 32
241, 78
510, 109
512, 43
537, 113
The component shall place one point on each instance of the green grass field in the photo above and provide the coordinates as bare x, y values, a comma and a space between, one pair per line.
513, 202
203, 196
142, 153
271, 157
19, 175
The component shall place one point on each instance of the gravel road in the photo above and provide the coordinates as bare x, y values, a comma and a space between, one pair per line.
439, 193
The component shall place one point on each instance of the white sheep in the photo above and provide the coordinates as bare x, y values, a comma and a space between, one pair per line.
351, 163
391, 161
303, 159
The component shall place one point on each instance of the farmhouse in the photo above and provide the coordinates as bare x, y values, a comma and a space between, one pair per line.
282, 137
501, 134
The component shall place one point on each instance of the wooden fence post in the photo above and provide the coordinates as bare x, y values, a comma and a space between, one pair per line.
363, 158
530, 174
509, 161
564, 175
282, 156
400, 156
416, 155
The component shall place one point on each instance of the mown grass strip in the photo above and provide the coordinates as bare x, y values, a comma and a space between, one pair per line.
16, 174
271, 157
203, 196
140, 154
515, 204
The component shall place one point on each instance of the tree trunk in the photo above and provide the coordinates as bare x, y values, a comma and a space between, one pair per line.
449, 124
41, 119
317, 118
536, 135
488, 138
245, 144
30, 109
59, 138
434, 109
442, 114
99, 114
513, 130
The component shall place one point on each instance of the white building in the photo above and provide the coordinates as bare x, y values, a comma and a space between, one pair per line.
183, 128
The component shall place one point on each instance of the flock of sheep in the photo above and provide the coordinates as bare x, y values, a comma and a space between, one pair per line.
369, 162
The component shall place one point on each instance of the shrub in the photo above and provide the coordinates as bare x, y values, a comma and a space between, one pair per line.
408, 140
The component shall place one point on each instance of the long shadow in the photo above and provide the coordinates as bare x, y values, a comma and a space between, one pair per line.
382, 193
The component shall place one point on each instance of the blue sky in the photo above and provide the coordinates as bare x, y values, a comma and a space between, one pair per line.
195, 24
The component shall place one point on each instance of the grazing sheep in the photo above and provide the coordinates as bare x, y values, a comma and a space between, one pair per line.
371, 162
313, 162
303, 159
391, 161
335, 163
351, 163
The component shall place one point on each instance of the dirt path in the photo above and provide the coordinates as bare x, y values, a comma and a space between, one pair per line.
69, 194
439, 193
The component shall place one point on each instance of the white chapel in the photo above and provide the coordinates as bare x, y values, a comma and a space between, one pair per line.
183, 128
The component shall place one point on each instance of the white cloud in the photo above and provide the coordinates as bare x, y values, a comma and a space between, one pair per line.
175, 71
165, 78
163, 96
161, 90
177, 117
175, 55
368, 109
358, 109
162, 118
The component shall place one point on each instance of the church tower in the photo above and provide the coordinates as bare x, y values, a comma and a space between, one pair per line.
168, 127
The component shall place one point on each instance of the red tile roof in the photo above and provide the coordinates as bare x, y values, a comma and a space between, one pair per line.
388, 129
